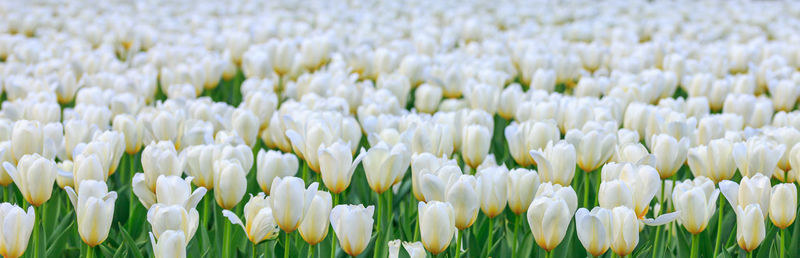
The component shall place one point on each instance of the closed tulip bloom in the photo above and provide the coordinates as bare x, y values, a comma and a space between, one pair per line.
34, 176
642, 180
565, 193
427, 98
164, 217
6, 156
593, 148
291, 201
26, 138
594, 229
475, 143
240, 153
230, 183
435, 138
384, 165
783, 205
89, 167
434, 185
272, 164
757, 155
160, 159
714, 161
260, 223
750, 228
556, 162
337, 165
670, 154
492, 184
64, 176
415, 249
174, 190
94, 206
314, 227
172, 244
755, 190
615, 193
624, 230
394, 248
437, 225
422, 164
522, 186
77, 131
464, 195
548, 218
794, 160
353, 227
697, 201
529, 135
510, 98
245, 123
17, 225
199, 161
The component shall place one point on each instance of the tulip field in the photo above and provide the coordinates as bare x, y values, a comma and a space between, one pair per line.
384, 129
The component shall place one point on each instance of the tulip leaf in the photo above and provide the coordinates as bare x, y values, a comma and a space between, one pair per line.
129, 243
763, 249
56, 243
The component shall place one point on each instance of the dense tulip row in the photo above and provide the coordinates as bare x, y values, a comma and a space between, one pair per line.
450, 128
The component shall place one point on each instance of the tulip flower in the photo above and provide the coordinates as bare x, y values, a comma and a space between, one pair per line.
427, 98
670, 154
290, 201
230, 183
260, 223
475, 144
422, 164
236, 152
783, 205
436, 224
94, 207
315, 223
522, 186
624, 230
171, 244
160, 159
415, 249
529, 135
272, 164
17, 225
594, 229
434, 138
750, 229
337, 166
593, 147
696, 200
164, 217
26, 138
200, 164
714, 161
132, 130
556, 162
549, 218
755, 190
384, 165
170, 190
757, 156
353, 227
492, 184
643, 182
464, 195
34, 175
434, 185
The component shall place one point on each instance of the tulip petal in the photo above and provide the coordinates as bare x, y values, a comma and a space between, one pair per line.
730, 190
661, 220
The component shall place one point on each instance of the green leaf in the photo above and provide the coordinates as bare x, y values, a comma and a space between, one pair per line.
57, 242
128, 241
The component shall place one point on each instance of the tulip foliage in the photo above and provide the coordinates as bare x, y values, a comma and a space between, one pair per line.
415, 128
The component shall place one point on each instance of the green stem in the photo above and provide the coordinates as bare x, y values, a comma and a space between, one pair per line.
695, 245
207, 202
36, 227
719, 225
286, 245
305, 172
380, 229
749, 254
658, 229
89, 252
514, 239
783, 242
489, 242
458, 243
255, 250
333, 234
597, 184
586, 191
226, 240
310, 251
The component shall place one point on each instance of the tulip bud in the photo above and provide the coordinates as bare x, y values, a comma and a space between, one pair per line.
315, 223
200, 164
549, 218
697, 201
464, 196
239, 153
475, 144
435, 138
6, 156
594, 229
750, 229
492, 184
94, 206
642, 180
160, 159
34, 176
625, 230
415, 249
64, 175
670, 154
353, 227
262, 104
246, 124
427, 98
529, 135
26, 138
171, 244
195, 132
164, 217
384, 166
230, 183
556, 162
509, 100
337, 166
714, 161
422, 164
17, 225
76, 132
522, 186
783, 205
260, 221
88, 167
272, 164
116, 144
437, 225
274, 137
433, 185
174, 190
291, 201
163, 126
